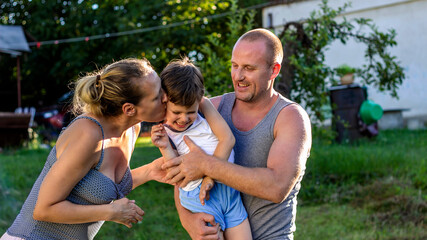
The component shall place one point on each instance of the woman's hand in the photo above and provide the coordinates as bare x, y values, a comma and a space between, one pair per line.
126, 212
156, 172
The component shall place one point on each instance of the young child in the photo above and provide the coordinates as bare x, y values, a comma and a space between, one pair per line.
183, 84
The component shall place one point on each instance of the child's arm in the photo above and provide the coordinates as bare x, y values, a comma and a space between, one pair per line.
225, 137
220, 128
160, 139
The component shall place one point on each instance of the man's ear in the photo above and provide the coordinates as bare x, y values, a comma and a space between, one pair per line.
128, 109
276, 70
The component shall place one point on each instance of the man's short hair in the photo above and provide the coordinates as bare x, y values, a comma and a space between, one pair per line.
182, 82
273, 43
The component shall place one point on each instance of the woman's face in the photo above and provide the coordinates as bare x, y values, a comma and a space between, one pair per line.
152, 107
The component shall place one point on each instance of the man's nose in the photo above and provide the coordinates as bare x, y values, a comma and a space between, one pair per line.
238, 74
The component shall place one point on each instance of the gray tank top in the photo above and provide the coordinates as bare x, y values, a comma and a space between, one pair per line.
268, 220
94, 188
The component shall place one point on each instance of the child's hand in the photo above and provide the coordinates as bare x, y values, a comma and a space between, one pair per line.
159, 136
207, 185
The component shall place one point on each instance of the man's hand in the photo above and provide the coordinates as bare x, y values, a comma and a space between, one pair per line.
186, 168
198, 228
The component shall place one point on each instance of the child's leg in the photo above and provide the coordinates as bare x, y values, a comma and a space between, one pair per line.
239, 232
221, 235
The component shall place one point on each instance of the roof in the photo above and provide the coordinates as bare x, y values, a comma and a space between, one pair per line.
280, 2
12, 40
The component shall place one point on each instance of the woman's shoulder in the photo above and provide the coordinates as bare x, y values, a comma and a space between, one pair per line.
82, 130
80, 144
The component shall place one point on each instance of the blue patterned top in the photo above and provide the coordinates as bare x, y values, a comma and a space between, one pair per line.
93, 189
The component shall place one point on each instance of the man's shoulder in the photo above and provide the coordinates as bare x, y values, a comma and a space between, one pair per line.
293, 109
217, 100
293, 116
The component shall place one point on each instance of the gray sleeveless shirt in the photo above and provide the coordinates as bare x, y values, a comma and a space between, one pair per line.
94, 188
268, 220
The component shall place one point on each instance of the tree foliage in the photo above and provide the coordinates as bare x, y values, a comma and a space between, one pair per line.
305, 76
217, 50
171, 28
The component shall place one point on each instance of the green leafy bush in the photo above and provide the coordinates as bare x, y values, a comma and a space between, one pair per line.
344, 69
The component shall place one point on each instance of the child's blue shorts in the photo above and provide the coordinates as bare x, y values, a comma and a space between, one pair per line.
224, 204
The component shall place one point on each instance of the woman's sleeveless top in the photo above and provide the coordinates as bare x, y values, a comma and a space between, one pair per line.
268, 220
93, 189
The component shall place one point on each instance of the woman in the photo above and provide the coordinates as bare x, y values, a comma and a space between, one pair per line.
87, 175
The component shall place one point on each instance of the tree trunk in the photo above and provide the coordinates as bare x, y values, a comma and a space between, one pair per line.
284, 84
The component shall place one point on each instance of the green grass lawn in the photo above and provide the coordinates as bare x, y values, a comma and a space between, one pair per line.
371, 189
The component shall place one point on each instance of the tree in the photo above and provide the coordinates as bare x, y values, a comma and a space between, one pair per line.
216, 64
169, 28
304, 72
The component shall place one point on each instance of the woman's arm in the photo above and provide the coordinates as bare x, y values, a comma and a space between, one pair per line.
148, 172
77, 153
153, 170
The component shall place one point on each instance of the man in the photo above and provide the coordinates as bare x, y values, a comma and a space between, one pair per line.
273, 141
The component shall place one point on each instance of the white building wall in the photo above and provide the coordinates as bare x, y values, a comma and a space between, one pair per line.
409, 20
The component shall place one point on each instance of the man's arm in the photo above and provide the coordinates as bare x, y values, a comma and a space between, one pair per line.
286, 160
196, 223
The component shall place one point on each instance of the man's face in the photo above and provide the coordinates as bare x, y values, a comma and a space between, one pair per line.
251, 75
180, 117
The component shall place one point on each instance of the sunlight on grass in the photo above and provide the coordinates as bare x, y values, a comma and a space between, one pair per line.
344, 222
372, 189
143, 142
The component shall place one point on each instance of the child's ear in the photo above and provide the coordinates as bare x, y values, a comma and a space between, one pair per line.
128, 109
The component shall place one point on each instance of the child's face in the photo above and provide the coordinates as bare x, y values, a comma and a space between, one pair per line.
179, 117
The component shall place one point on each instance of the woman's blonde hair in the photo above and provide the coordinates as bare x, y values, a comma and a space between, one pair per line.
104, 92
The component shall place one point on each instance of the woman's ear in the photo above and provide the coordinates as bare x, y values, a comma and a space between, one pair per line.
129, 109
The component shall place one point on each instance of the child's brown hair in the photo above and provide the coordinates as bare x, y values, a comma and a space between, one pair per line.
182, 82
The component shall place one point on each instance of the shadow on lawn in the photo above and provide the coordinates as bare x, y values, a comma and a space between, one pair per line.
391, 203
